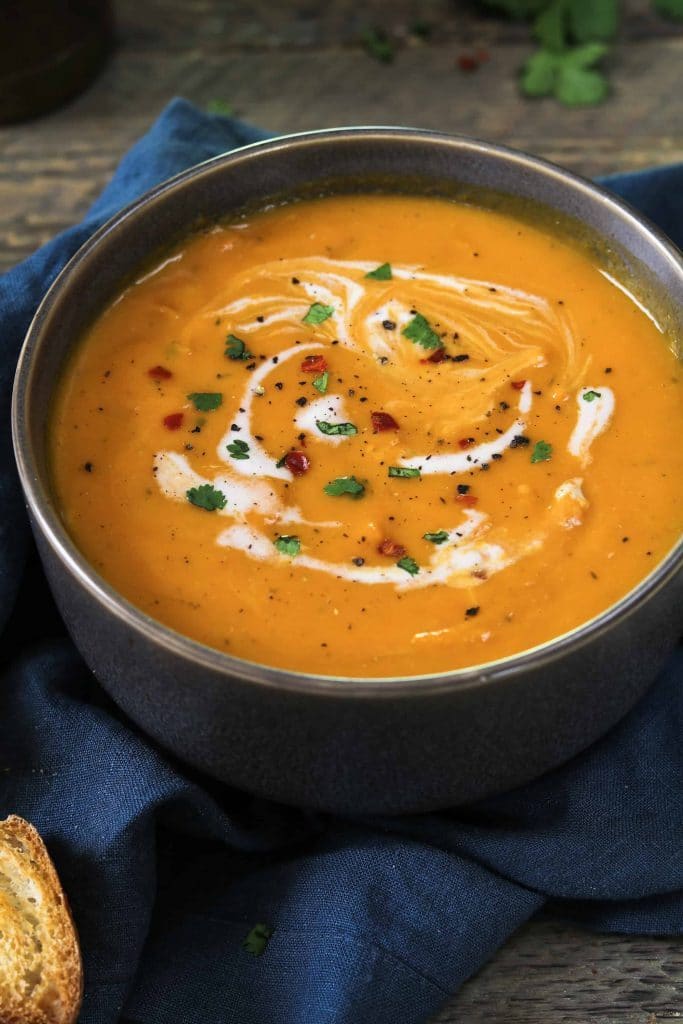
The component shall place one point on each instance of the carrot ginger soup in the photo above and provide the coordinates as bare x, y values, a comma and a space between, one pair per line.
372, 435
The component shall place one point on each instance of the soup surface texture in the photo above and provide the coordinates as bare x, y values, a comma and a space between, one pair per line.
372, 436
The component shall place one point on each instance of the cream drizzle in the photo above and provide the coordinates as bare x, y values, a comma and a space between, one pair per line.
475, 549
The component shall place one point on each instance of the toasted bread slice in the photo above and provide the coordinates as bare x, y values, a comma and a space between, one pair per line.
41, 976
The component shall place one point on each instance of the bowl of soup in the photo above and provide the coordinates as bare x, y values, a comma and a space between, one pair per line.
354, 462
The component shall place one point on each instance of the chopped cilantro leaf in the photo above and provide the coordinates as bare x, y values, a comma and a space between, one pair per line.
288, 546
381, 273
419, 331
207, 497
281, 461
406, 472
238, 449
318, 313
344, 485
257, 939
590, 396
206, 401
440, 537
336, 429
236, 348
542, 452
409, 565
320, 383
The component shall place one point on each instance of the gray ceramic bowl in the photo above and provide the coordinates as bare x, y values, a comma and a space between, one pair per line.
348, 745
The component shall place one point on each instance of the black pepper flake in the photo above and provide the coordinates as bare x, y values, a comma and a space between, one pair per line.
302, 401
260, 319
471, 612
189, 447
496, 456
383, 360
624, 540
461, 358
250, 366
235, 428
259, 437
88, 467
363, 398
196, 430
275, 359
503, 406
389, 325
301, 437
608, 369
519, 441
463, 488
335, 342
484, 465
358, 561
279, 385
295, 280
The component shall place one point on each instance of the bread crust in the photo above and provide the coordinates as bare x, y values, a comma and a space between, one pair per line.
41, 972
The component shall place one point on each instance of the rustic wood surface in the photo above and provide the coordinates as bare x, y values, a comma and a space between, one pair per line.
296, 64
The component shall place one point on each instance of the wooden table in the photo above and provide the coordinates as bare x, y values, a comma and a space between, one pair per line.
288, 65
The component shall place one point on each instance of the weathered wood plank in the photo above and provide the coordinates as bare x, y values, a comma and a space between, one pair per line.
554, 973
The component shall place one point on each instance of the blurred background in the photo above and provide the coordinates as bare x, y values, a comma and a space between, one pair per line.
290, 65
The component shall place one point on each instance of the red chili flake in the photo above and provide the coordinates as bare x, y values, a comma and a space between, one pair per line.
391, 549
466, 62
297, 463
159, 373
518, 384
314, 364
173, 421
437, 356
466, 442
382, 421
468, 500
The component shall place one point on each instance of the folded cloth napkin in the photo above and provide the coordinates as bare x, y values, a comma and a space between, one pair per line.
372, 920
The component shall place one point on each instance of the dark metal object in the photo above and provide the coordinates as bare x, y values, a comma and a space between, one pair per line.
348, 745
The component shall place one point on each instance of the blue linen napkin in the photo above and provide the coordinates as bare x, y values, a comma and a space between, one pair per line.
374, 920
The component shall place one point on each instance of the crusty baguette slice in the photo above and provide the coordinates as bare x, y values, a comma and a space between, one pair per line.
41, 976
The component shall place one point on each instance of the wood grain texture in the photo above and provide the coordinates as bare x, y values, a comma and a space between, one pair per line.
297, 64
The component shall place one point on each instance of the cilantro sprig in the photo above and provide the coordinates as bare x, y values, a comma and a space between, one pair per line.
206, 401
404, 472
288, 545
318, 314
542, 452
590, 396
408, 565
238, 449
381, 273
419, 330
438, 537
336, 429
345, 485
257, 939
235, 348
206, 496
320, 383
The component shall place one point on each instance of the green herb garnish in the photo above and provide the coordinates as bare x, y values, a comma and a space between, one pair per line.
257, 939
236, 348
409, 565
320, 383
288, 546
206, 401
207, 497
317, 314
405, 472
336, 429
440, 537
345, 485
381, 273
238, 449
419, 331
590, 396
542, 452
569, 76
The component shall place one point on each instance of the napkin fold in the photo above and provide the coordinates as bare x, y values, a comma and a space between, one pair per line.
373, 921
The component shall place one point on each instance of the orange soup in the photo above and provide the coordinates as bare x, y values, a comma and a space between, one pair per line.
372, 436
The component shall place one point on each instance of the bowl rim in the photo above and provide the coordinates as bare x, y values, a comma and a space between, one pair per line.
45, 515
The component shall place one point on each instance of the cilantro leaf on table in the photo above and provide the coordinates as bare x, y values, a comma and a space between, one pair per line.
590, 20
257, 939
567, 75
